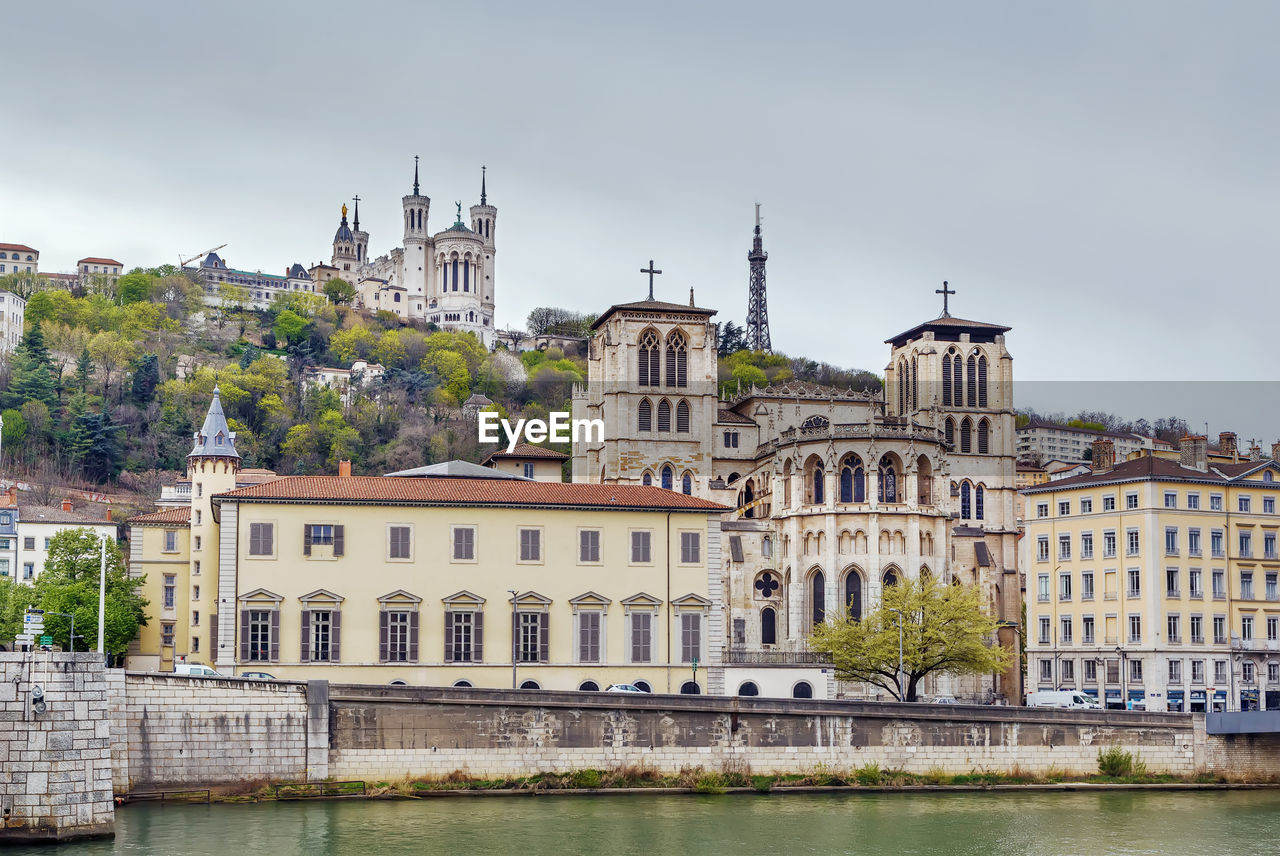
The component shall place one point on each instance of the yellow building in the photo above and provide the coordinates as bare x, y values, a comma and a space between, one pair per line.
441, 578
1155, 581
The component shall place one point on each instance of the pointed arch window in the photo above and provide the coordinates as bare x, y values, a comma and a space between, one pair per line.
891, 577
677, 361
819, 482
957, 381
646, 479
950, 429
978, 509
664, 415
982, 380
966, 436
768, 626
682, 417
971, 393
902, 386
853, 595
946, 380
818, 598
846, 483
668, 477
686, 484
648, 363
965, 497
984, 437
888, 481
644, 415
915, 377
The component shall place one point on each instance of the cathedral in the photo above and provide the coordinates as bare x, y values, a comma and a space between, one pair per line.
446, 278
835, 493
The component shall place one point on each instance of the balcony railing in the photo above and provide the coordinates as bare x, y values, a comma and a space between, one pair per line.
739, 657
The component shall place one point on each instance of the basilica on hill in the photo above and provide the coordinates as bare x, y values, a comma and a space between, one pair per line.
445, 277
835, 493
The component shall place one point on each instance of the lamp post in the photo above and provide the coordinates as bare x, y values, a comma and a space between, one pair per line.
1124, 679
102, 598
514, 640
901, 693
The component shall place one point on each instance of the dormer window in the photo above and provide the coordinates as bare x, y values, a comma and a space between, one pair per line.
218, 439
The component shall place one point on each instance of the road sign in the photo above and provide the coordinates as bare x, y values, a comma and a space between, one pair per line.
25, 638
31, 611
35, 627
33, 619
46, 640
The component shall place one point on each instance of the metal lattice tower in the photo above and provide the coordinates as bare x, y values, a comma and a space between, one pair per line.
757, 301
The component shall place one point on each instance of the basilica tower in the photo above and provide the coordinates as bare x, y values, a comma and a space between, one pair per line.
416, 264
344, 249
484, 222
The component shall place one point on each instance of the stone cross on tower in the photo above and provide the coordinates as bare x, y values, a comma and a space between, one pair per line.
945, 292
651, 270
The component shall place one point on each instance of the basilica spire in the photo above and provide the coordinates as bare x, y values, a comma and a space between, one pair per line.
356, 219
483, 196
415, 175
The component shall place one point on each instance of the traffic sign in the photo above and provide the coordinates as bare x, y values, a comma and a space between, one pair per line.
25, 638
31, 611
46, 640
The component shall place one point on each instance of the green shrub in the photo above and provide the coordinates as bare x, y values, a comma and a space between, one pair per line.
869, 774
1116, 762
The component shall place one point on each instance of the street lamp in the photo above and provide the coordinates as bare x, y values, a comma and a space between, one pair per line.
1124, 678
901, 693
514, 641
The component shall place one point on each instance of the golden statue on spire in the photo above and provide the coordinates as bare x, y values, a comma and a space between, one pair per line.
344, 211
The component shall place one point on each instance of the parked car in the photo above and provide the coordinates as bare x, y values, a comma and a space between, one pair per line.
623, 688
1062, 698
258, 676
945, 699
195, 670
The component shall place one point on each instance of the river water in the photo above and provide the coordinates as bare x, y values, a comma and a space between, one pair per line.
1221, 823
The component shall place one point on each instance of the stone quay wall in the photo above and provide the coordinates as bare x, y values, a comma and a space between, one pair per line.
398, 732
199, 732
55, 766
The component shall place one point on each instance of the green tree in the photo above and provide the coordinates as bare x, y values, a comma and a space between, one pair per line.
291, 327
339, 291
112, 352
32, 378
135, 287
146, 377
15, 429
390, 351
354, 343
84, 370
944, 629
15, 597
69, 583
732, 339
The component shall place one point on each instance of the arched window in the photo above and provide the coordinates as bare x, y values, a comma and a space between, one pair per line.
888, 486
819, 482
748, 493
643, 686
978, 510
957, 380
530, 685
950, 429
846, 483
462, 683
984, 436
964, 501
748, 688
589, 687
664, 415
766, 547
768, 626
647, 478
902, 386
644, 415
686, 484
648, 372
803, 689
853, 595
890, 577
682, 417
971, 388
690, 688
946, 380
677, 360
915, 377
966, 434
668, 477
982, 380
818, 598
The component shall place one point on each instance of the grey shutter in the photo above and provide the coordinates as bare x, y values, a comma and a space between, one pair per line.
448, 636
268, 538
305, 654
339, 539
413, 637
383, 618
244, 635
544, 634
306, 539
213, 636
335, 635
274, 651
477, 637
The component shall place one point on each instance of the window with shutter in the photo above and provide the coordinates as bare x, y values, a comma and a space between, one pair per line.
641, 637
305, 653
690, 637
971, 390
588, 637
530, 545
946, 380
682, 417
464, 543
261, 539
984, 437
640, 548
664, 415
648, 362
644, 415
399, 542
589, 545
677, 361
982, 381
339, 540
690, 548
966, 436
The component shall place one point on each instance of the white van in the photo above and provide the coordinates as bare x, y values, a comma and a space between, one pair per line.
1062, 698
195, 670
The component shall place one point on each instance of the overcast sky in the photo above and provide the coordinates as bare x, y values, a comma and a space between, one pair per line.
1102, 177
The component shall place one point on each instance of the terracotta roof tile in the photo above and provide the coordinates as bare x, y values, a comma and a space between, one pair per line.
163, 516
1139, 469
461, 491
732, 416
55, 514
94, 260
527, 450
22, 248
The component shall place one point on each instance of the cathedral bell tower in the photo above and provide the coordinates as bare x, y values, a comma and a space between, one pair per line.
344, 248
212, 466
416, 261
484, 222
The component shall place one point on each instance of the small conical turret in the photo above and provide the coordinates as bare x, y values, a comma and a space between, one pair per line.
215, 439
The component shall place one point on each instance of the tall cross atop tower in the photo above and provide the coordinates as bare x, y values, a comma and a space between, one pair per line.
415, 175
356, 199
945, 292
651, 270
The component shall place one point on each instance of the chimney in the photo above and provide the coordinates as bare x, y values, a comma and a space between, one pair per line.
1255, 451
1193, 452
1104, 455
344, 468
108, 514
1227, 445
1275, 451
66, 503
